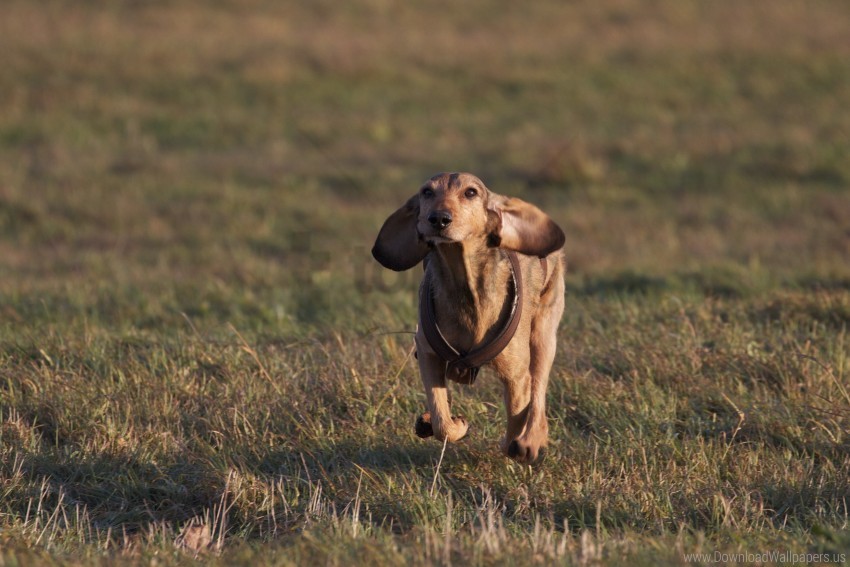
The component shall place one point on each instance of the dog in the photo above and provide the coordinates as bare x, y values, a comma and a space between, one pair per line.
492, 294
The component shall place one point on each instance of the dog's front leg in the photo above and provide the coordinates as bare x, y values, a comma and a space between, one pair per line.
525, 398
438, 420
528, 431
517, 397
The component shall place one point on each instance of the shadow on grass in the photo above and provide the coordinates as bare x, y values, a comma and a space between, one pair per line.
348, 457
376, 475
122, 493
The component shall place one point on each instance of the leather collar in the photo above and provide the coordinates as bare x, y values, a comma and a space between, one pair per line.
467, 364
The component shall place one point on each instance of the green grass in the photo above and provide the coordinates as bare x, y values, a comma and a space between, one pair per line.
199, 360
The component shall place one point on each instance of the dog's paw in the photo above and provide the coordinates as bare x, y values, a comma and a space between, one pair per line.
455, 432
459, 429
524, 451
423, 426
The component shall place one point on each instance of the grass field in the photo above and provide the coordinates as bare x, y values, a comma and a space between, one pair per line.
199, 360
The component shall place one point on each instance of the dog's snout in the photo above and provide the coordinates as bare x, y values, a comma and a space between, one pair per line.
440, 219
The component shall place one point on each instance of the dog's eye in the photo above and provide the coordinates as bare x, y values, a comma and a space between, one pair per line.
427, 192
471, 193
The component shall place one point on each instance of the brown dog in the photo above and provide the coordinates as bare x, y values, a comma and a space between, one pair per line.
488, 304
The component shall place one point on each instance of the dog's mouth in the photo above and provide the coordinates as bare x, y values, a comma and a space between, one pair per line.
437, 239
432, 236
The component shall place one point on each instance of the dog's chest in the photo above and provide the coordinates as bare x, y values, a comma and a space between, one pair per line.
467, 324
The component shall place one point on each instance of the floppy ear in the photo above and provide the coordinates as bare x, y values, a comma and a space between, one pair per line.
522, 227
398, 246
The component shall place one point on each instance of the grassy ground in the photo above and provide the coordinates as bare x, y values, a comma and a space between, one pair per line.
199, 359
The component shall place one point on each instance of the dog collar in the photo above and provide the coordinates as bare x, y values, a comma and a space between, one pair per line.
468, 364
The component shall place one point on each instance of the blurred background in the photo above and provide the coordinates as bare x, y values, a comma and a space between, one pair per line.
231, 161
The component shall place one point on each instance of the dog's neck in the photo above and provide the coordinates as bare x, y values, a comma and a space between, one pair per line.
474, 281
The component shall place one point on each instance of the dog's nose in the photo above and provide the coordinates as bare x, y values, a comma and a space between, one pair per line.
440, 219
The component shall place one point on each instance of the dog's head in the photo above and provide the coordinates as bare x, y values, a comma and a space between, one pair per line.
458, 207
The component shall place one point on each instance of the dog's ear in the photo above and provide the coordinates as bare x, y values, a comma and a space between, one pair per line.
516, 225
398, 246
